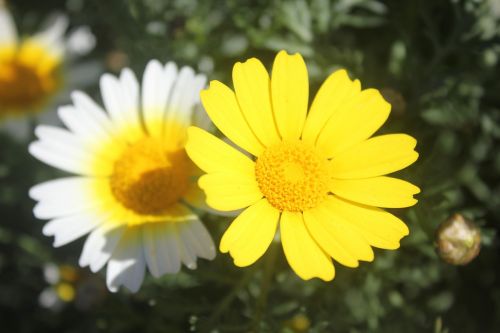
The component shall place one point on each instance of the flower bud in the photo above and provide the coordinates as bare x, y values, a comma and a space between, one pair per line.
299, 323
116, 60
458, 240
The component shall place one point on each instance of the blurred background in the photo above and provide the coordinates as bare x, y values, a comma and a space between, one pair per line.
437, 62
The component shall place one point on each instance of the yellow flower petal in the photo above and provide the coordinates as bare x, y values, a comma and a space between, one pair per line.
194, 195
290, 94
337, 237
333, 95
354, 123
305, 257
250, 234
380, 228
252, 87
222, 107
228, 191
378, 191
211, 154
375, 157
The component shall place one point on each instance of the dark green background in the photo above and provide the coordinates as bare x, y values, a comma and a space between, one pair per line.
441, 59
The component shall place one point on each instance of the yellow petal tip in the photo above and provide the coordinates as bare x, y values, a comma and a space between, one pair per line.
240, 263
223, 247
328, 277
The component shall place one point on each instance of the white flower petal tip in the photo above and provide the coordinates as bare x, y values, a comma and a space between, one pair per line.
191, 265
99, 247
8, 32
67, 229
81, 41
56, 27
127, 264
161, 247
168, 245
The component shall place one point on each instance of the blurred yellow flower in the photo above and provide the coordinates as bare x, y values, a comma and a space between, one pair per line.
65, 291
318, 173
30, 69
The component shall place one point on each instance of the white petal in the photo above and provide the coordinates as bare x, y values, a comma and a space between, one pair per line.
185, 94
157, 84
69, 116
67, 229
152, 77
67, 196
161, 248
53, 209
53, 133
130, 99
83, 124
54, 33
195, 236
52, 156
49, 299
8, 32
62, 141
61, 189
112, 98
153, 102
99, 246
187, 251
81, 41
127, 265
121, 107
62, 149
131, 86
92, 111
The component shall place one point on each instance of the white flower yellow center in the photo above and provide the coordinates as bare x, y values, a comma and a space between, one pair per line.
28, 76
292, 176
148, 179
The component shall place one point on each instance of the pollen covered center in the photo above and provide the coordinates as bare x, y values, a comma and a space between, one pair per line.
28, 76
148, 179
293, 176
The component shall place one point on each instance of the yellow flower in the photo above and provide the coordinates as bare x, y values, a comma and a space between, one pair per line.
317, 174
65, 291
29, 69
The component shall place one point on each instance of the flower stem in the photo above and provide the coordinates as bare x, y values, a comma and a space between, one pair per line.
267, 278
228, 300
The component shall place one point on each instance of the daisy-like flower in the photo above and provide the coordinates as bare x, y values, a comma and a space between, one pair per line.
32, 69
29, 69
319, 175
135, 184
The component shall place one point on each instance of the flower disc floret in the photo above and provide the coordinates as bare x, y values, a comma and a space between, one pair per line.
148, 179
25, 84
293, 176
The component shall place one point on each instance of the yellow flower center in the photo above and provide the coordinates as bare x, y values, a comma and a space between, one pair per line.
148, 179
293, 176
65, 291
28, 76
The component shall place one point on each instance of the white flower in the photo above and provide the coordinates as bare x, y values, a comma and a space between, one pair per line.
135, 185
37, 70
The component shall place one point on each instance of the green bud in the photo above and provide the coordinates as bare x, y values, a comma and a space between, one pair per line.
458, 240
